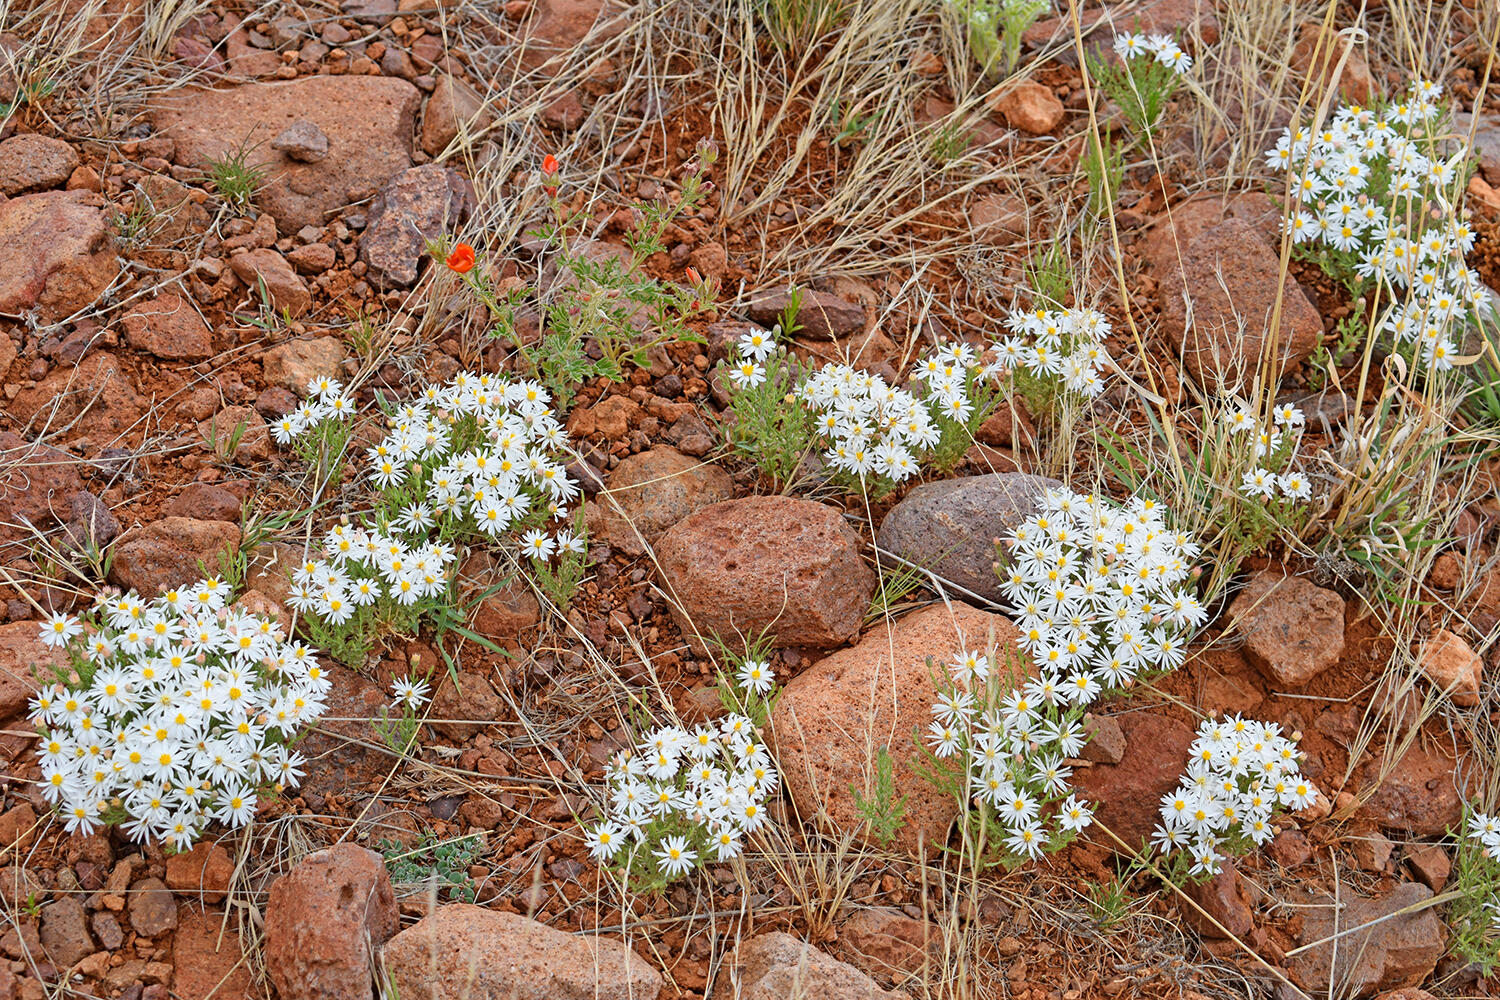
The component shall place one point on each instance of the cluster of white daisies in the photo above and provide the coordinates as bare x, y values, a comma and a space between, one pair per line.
867, 426
1381, 185
1013, 741
1162, 48
362, 567
1063, 344
482, 451
1101, 593
1271, 443
687, 796
1239, 772
186, 711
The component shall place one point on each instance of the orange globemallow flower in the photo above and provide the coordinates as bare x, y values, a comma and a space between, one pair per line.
462, 258
549, 174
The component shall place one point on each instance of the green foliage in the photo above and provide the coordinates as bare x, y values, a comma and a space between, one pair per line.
1481, 405
735, 697
797, 25
895, 585
440, 865
1349, 331
1139, 87
609, 300
956, 436
993, 29
1474, 883
883, 810
948, 142
1104, 167
1049, 275
398, 730
765, 428
235, 178
560, 583
852, 124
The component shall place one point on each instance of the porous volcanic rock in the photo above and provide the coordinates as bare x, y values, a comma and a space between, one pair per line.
653, 490
325, 921
416, 206
776, 563
950, 526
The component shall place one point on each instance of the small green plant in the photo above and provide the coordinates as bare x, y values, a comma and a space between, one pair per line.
948, 142
766, 426
1151, 67
993, 29
436, 865
883, 810
1104, 167
852, 124
223, 442
895, 586
1474, 914
798, 25
236, 179
559, 578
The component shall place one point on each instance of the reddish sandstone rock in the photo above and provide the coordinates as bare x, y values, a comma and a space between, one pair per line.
1452, 666
292, 365
649, 492
1126, 795
238, 432
265, 269
368, 122
95, 397
1293, 629
55, 252
168, 327
465, 952
32, 162
37, 482
1420, 795
326, 920
24, 662
204, 872
774, 563
167, 553
1396, 951
1028, 106
829, 717
822, 316
453, 104
1227, 279
777, 966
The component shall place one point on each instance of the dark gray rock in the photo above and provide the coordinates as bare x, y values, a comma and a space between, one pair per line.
950, 527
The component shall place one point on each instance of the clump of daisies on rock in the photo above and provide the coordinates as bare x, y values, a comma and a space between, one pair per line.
175, 712
1102, 593
1239, 773
1376, 199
